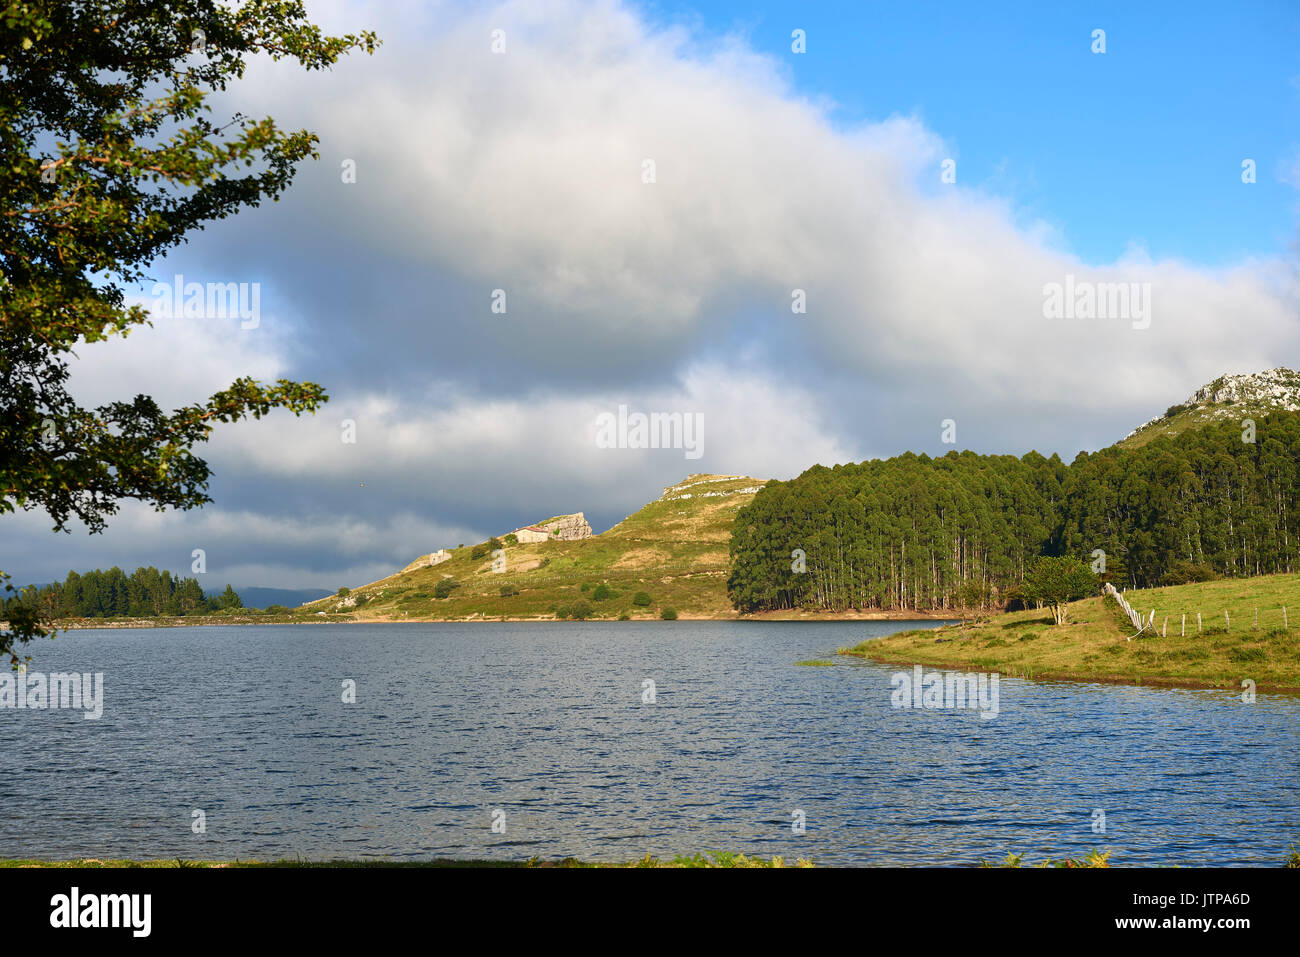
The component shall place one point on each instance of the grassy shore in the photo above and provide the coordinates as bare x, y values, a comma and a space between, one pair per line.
1094, 645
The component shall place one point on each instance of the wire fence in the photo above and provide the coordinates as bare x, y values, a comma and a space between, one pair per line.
1274, 616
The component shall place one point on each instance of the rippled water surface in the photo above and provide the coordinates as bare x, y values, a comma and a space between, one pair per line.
546, 722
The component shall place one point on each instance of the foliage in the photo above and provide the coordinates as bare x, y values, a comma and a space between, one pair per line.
580, 611
229, 600
1183, 573
24, 622
343, 592
911, 531
107, 162
509, 590
145, 593
642, 599
445, 587
668, 614
602, 592
1058, 580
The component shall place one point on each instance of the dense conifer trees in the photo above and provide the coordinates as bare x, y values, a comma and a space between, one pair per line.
918, 533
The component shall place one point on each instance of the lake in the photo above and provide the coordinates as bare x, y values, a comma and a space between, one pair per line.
547, 730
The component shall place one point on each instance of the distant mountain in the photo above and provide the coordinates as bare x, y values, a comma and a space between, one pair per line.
1229, 397
265, 597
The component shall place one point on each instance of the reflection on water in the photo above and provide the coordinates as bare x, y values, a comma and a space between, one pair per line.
547, 724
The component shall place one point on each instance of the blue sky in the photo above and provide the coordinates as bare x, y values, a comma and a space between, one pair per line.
1140, 145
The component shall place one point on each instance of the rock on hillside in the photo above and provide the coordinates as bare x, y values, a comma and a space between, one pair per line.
1229, 397
568, 528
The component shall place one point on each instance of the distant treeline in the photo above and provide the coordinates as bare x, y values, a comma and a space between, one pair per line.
918, 533
144, 593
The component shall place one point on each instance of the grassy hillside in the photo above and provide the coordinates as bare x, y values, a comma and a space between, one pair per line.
674, 549
1093, 645
1227, 398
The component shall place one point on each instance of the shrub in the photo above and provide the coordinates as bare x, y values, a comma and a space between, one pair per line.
444, 587
512, 539
343, 592
580, 611
508, 590
668, 614
562, 611
478, 551
1057, 581
275, 610
602, 591
586, 586
494, 543
1185, 573
625, 617
641, 599
1014, 599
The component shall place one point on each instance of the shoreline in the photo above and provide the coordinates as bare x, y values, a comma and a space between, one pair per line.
1140, 681
108, 624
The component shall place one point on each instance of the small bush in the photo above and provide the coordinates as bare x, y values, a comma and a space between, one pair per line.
641, 599
586, 587
343, 592
444, 587
580, 611
479, 551
602, 592
275, 610
562, 611
494, 543
512, 539
625, 617
1186, 573
668, 614
508, 590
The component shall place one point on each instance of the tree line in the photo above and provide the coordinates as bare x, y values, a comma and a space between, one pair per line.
145, 593
963, 530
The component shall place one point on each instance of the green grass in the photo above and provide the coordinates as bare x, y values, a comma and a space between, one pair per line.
674, 549
816, 663
1093, 859
1092, 645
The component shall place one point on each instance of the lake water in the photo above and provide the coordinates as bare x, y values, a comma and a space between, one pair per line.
546, 724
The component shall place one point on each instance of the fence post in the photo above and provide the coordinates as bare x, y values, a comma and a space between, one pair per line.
1227, 622
1284, 624
1164, 629
1257, 619
1198, 622
1184, 624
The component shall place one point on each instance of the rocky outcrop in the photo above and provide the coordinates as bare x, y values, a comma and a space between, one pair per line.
425, 561
1234, 396
568, 528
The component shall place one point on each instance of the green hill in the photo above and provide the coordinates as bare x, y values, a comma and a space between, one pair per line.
674, 549
1093, 646
1229, 398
